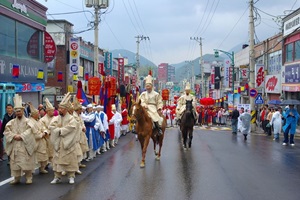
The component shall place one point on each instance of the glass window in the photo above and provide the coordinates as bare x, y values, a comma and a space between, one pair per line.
28, 42
297, 50
7, 36
289, 52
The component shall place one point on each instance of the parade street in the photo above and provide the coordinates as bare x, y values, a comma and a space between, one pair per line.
218, 166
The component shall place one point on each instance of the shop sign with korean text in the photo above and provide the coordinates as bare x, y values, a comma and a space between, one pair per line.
273, 84
259, 75
74, 49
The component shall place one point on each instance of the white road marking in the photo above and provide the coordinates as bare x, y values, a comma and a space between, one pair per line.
10, 179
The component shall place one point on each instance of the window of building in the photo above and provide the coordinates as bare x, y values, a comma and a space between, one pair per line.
7, 36
297, 50
289, 52
28, 42
19, 40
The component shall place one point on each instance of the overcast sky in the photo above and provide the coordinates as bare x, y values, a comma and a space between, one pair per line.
170, 23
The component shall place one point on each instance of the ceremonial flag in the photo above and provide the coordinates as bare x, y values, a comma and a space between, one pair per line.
81, 95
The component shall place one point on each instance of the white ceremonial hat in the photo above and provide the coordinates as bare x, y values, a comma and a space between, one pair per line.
49, 106
65, 101
187, 86
89, 106
76, 104
149, 80
98, 106
18, 102
83, 107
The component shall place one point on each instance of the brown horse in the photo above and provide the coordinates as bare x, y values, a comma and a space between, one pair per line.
145, 131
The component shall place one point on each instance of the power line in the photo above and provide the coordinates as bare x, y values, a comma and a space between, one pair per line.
210, 18
130, 17
113, 34
206, 20
234, 26
201, 18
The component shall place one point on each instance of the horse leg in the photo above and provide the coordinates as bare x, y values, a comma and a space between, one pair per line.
144, 150
190, 137
154, 144
184, 137
161, 138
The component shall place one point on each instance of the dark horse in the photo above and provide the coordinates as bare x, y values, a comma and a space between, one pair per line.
187, 124
145, 131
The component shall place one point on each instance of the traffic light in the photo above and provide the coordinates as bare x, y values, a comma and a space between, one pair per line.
216, 54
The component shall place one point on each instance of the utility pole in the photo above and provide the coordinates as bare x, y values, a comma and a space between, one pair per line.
100, 4
139, 38
199, 40
252, 62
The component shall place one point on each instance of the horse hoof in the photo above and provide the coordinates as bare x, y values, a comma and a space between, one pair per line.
155, 153
142, 165
157, 158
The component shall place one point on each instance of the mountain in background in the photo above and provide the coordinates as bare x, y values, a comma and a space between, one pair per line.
144, 62
182, 69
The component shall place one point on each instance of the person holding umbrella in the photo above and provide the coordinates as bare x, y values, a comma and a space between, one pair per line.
291, 117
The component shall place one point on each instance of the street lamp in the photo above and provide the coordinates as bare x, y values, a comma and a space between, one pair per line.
231, 56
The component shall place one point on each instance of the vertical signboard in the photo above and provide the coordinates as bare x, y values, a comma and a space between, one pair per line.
259, 76
217, 77
74, 55
121, 70
212, 77
108, 63
227, 67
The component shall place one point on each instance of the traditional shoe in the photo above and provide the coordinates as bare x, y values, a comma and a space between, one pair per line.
55, 181
29, 181
15, 181
71, 180
43, 171
284, 144
63, 173
78, 172
245, 136
82, 166
292, 144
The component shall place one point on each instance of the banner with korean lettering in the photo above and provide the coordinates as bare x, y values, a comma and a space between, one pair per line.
108, 63
259, 75
212, 77
121, 70
227, 66
74, 49
273, 84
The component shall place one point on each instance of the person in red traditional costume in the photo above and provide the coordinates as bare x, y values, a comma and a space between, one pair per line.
210, 116
125, 121
111, 127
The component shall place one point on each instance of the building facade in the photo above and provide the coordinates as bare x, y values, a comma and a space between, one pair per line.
291, 56
22, 60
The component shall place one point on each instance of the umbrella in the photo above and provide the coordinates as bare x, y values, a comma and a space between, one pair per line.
207, 101
290, 102
274, 102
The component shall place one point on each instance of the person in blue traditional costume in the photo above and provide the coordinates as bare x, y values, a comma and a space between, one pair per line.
101, 135
104, 120
291, 119
92, 124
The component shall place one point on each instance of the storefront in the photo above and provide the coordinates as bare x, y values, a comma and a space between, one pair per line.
22, 47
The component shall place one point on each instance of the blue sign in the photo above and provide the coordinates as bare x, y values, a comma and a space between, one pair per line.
29, 87
74, 68
259, 99
253, 93
292, 73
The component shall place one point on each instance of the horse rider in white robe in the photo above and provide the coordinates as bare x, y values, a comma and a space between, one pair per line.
181, 105
152, 102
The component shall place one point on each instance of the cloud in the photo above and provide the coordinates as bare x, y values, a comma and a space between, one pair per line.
171, 23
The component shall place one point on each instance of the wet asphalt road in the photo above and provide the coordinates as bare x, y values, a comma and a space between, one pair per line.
218, 166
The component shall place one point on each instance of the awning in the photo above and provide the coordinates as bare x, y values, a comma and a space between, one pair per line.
289, 87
